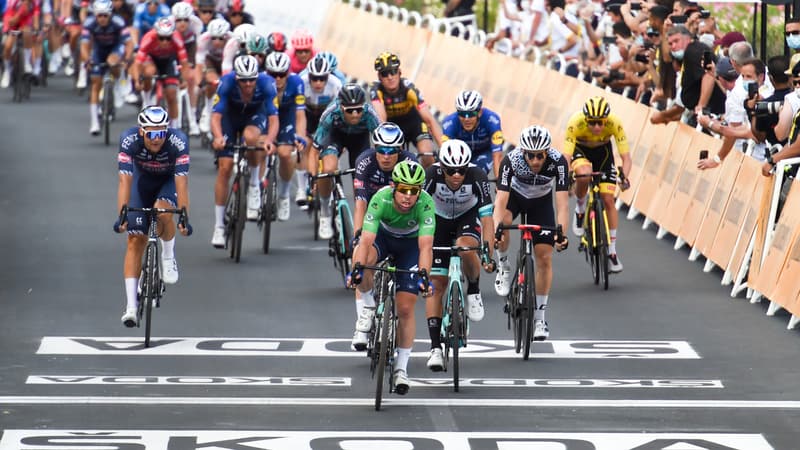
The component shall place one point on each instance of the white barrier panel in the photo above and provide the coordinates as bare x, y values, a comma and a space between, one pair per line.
288, 16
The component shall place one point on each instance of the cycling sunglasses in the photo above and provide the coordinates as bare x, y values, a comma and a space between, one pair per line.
246, 80
218, 38
278, 74
388, 72
181, 20
407, 190
304, 50
535, 155
467, 114
318, 78
386, 150
165, 38
207, 11
157, 134
455, 170
354, 110
596, 123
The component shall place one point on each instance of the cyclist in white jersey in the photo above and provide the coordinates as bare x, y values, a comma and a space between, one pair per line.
210, 48
190, 27
240, 36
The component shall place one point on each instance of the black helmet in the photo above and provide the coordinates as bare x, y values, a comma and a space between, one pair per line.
352, 95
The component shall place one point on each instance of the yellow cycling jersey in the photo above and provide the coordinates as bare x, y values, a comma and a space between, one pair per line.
578, 132
402, 103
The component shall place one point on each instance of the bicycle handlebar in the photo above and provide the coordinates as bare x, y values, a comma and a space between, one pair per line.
526, 227
336, 173
123, 213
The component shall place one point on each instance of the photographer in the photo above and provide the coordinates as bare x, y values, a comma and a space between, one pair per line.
791, 104
764, 111
698, 87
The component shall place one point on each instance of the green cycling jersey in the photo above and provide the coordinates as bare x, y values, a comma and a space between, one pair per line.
420, 221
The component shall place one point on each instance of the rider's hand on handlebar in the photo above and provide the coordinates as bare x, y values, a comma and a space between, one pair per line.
355, 277
219, 143
424, 284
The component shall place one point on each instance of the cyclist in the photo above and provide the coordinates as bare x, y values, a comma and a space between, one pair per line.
276, 42
236, 15
320, 91
210, 47
302, 49
345, 124
400, 222
527, 176
124, 10
334, 62
588, 148
292, 118
374, 171
20, 15
153, 172
73, 14
110, 42
190, 27
236, 46
244, 102
145, 17
460, 192
160, 52
479, 127
206, 11
396, 99
257, 46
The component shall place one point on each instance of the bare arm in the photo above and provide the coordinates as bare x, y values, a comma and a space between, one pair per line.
380, 110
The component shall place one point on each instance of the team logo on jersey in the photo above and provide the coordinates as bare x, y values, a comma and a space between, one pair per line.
429, 221
183, 159
412, 223
358, 184
369, 217
300, 100
497, 137
124, 158
215, 100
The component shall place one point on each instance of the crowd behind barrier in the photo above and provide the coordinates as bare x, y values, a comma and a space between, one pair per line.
726, 215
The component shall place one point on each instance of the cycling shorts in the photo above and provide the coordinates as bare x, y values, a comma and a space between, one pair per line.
101, 54
414, 129
484, 161
602, 160
538, 211
233, 125
447, 231
167, 67
354, 143
145, 191
406, 255
287, 131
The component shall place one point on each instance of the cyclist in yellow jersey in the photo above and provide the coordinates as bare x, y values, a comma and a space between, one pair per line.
588, 148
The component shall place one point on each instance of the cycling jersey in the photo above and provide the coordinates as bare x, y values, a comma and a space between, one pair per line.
382, 215
294, 63
471, 198
289, 102
151, 47
108, 37
400, 104
578, 133
316, 102
333, 120
144, 21
193, 31
369, 178
26, 19
486, 138
228, 99
205, 49
229, 53
516, 176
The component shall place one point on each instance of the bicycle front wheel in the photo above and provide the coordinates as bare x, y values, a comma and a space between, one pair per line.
344, 252
529, 305
268, 198
594, 244
602, 247
108, 102
241, 216
455, 310
383, 351
150, 289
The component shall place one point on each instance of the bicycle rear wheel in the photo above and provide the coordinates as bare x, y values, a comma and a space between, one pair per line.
602, 247
384, 347
455, 310
18, 73
530, 304
344, 252
150, 289
373, 346
241, 216
314, 210
593, 249
108, 104
268, 198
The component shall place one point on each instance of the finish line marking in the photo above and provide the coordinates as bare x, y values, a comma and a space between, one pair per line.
329, 347
453, 402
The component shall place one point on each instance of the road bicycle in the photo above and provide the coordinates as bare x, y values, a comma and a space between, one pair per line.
21, 80
151, 286
236, 207
107, 107
340, 245
521, 299
382, 340
596, 237
455, 324
269, 201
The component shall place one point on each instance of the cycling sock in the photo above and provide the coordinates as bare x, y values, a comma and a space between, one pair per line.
435, 331
368, 298
219, 216
94, 111
612, 246
502, 258
541, 305
174, 123
325, 206
254, 178
37, 66
8, 66
283, 187
27, 52
580, 205
168, 248
302, 179
473, 287
131, 292
359, 307
402, 359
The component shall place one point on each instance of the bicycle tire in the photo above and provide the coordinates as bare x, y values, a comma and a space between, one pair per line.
184, 106
593, 248
384, 346
455, 332
373, 346
241, 216
530, 304
18, 72
343, 250
45, 62
268, 198
602, 251
315, 205
108, 102
151, 288
516, 307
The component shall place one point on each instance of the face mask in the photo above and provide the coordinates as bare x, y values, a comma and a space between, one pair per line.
677, 54
793, 41
639, 40
746, 84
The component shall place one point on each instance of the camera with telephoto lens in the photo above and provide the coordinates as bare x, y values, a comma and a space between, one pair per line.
763, 109
614, 75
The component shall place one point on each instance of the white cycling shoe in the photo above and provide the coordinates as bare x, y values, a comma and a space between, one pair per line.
360, 341
218, 238
284, 210
540, 330
436, 360
364, 322
474, 307
400, 381
169, 270
502, 282
325, 228
129, 319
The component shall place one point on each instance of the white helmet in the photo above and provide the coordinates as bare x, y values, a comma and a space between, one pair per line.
454, 153
246, 67
534, 139
182, 10
242, 32
388, 134
319, 66
153, 116
219, 28
102, 7
165, 26
277, 62
469, 101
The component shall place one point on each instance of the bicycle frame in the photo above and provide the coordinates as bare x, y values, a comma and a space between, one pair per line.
596, 235
236, 206
340, 243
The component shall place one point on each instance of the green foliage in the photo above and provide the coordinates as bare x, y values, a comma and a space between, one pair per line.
436, 7
739, 17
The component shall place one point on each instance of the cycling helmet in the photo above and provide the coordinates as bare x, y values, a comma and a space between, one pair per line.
276, 41
534, 139
351, 94
277, 62
165, 26
596, 108
243, 32
469, 101
386, 60
332, 60
235, 5
388, 134
182, 10
246, 67
257, 44
219, 28
318, 66
102, 7
454, 153
207, 4
302, 39
153, 116
408, 172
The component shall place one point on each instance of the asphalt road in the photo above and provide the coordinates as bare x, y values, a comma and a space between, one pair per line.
256, 355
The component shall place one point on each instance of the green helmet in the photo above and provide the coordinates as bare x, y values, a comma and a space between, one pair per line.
257, 44
408, 172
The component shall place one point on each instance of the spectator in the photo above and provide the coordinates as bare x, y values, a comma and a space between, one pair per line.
698, 87
727, 40
562, 39
763, 122
739, 52
457, 9
791, 103
792, 30
509, 22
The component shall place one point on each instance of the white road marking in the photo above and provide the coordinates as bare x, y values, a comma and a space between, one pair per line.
186, 380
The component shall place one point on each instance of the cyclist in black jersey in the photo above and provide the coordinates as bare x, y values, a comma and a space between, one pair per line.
460, 192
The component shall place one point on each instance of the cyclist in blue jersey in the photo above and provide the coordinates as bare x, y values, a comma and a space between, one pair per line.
145, 16
105, 39
373, 172
153, 172
244, 102
291, 102
346, 124
479, 127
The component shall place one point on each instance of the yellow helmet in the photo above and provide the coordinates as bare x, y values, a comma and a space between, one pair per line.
386, 60
596, 108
